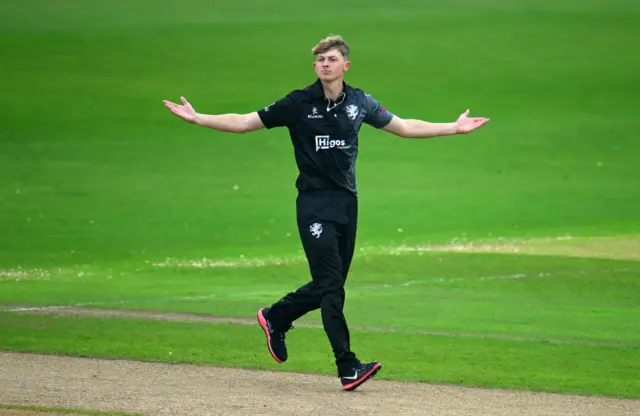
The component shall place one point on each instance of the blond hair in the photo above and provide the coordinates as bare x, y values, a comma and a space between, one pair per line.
332, 42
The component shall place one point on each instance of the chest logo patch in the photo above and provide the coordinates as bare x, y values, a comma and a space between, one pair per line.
326, 142
352, 111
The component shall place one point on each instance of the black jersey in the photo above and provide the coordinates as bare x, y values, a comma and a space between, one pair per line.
324, 133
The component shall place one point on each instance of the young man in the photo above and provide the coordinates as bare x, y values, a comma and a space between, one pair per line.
323, 120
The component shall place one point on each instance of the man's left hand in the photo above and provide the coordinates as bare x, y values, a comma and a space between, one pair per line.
466, 124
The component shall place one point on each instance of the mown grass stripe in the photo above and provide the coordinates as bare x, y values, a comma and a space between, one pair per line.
191, 317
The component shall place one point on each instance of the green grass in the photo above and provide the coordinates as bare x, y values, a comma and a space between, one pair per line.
481, 293
57, 410
99, 182
95, 169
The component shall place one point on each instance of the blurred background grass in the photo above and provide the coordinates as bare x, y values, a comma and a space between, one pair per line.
93, 168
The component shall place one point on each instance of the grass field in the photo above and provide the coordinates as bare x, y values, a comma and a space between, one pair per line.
39, 410
505, 258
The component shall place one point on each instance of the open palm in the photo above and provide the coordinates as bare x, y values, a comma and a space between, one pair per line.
185, 111
466, 124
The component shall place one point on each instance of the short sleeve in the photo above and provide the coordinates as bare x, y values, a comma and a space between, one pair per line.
278, 114
376, 115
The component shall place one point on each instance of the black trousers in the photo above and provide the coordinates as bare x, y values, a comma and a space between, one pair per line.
327, 222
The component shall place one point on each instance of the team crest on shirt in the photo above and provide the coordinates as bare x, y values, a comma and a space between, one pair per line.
316, 229
352, 111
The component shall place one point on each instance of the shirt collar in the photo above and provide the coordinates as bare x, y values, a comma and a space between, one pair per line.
318, 92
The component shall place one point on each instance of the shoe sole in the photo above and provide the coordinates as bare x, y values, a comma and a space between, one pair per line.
265, 327
367, 376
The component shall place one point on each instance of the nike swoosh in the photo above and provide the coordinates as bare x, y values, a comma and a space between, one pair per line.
353, 377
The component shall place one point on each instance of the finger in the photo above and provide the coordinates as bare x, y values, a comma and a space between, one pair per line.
174, 106
177, 111
184, 101
466, 113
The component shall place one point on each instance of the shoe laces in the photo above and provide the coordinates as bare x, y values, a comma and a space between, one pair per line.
279, 334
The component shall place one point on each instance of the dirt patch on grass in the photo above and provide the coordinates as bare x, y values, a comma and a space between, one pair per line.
19, 274
172, 389
609, 247
615, 247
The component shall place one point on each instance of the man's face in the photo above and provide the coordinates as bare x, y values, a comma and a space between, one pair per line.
330, 65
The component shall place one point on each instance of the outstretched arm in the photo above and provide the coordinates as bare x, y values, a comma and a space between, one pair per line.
234, 123
418, 129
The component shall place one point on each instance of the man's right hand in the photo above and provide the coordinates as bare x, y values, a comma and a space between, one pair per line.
185, 111
235, 123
